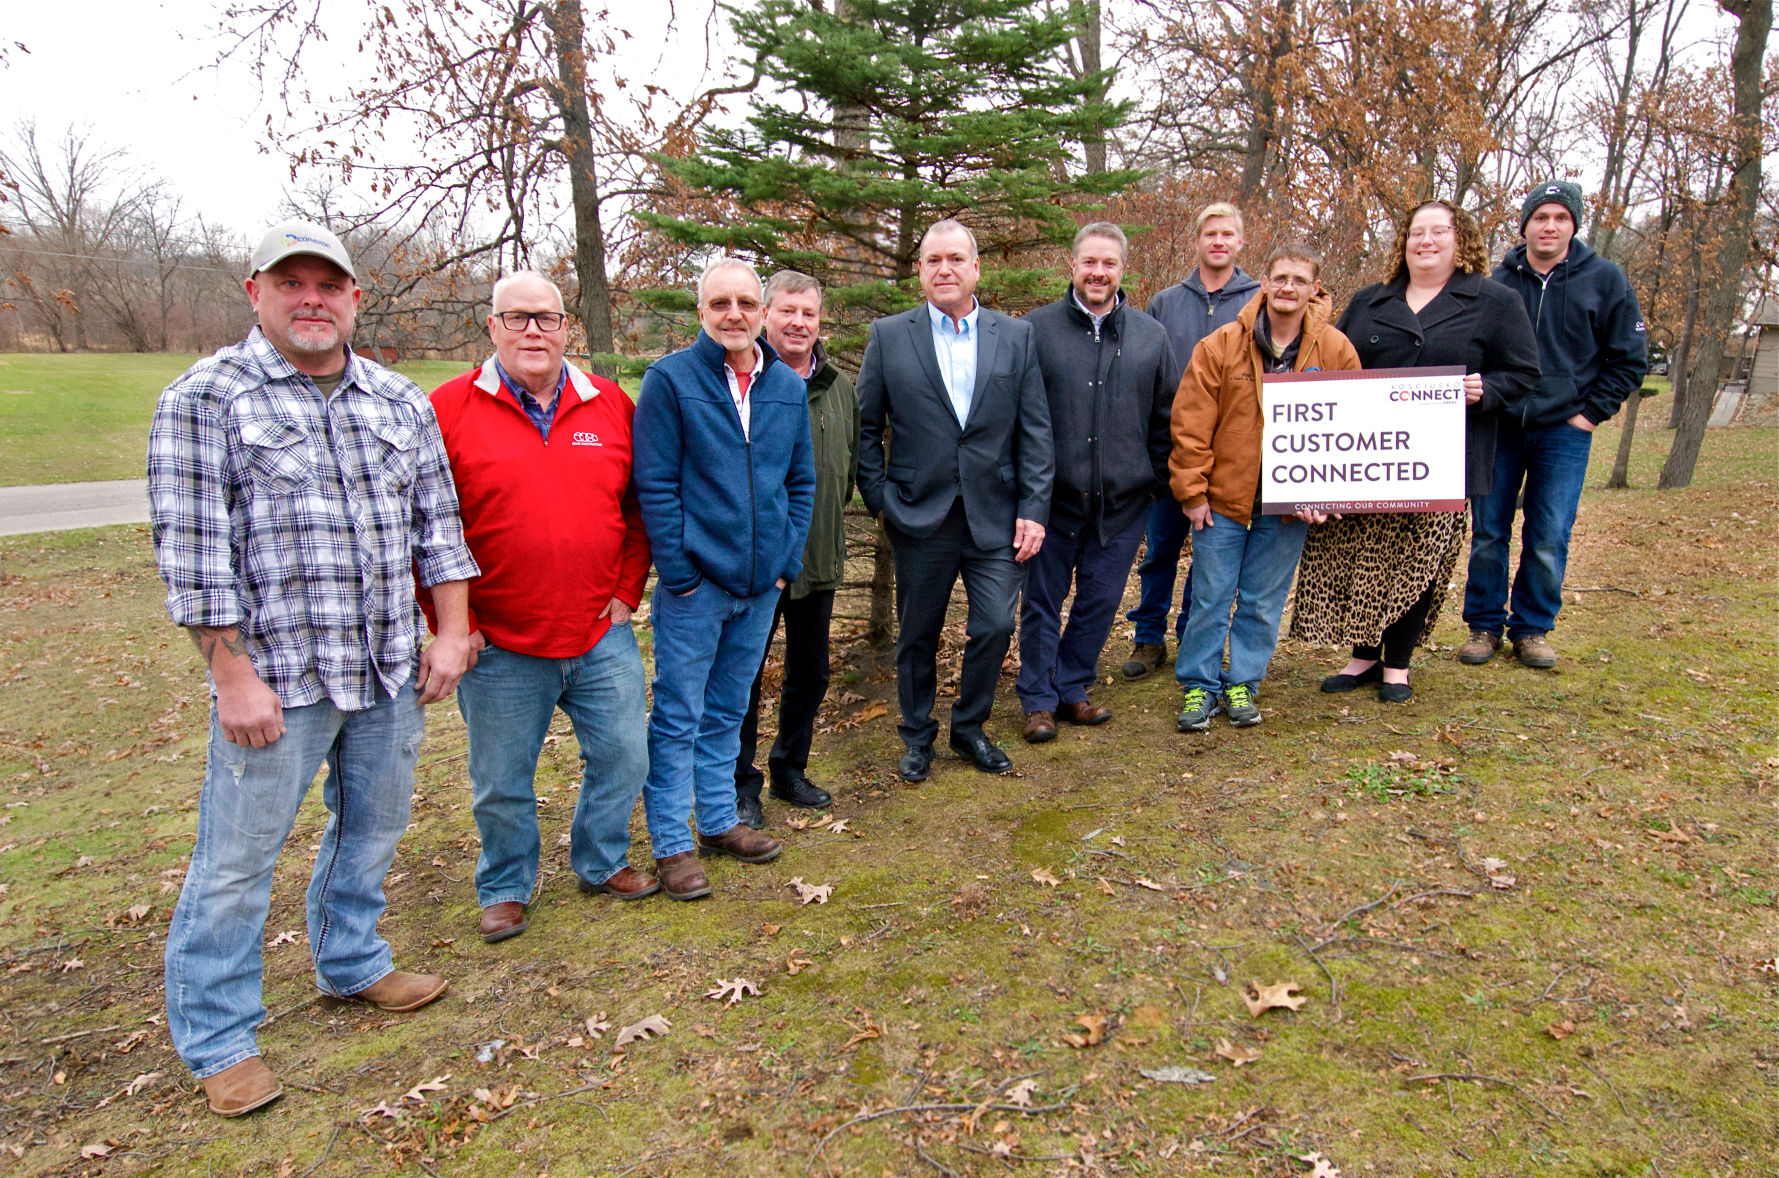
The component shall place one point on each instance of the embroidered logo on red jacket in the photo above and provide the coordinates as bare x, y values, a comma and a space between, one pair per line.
584, 438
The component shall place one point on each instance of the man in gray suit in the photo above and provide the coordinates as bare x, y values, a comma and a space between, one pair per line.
964, 490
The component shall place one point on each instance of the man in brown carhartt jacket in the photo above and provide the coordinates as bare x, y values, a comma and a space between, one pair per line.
1215, 474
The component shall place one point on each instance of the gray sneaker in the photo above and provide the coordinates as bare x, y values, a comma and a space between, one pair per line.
1238, 701
1197, 709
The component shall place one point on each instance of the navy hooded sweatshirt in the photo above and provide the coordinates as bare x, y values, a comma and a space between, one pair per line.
1190, 312
1592, 351
719, 505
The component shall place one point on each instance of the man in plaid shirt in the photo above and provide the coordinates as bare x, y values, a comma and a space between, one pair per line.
294, 487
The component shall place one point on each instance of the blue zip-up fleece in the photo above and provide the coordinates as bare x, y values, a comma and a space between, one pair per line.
1190, 312
717, 505
1592, 351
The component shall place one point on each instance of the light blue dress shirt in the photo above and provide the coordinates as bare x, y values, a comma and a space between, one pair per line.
956, 349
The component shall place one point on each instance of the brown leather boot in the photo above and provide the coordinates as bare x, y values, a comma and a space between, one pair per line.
1534, 651
1084, 713
242, 1088
682, 876
1144, 658
738, 842
1479, 648
500, 921
626, 884
1039, 727
399, 992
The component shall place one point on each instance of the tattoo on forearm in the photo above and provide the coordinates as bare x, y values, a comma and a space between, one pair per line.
208, 638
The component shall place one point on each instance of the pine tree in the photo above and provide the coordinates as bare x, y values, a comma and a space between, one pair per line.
887, 116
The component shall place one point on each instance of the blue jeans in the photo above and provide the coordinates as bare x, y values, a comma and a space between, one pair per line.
1249, 568
507, 700
245, 812
708, 647
1169, 529
1058, 665
1550, 462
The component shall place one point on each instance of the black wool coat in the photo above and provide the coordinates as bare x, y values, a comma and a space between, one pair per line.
1475, 322
1111, 393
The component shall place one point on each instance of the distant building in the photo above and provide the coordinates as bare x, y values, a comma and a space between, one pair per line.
1749, 392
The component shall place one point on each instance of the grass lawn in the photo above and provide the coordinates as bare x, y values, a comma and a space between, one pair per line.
74, 418
1528, 914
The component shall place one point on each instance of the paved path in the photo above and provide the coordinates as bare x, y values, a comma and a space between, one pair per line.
55, 507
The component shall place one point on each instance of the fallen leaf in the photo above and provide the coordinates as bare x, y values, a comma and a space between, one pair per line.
1682, 1020
770, 930
418, 1092
94, 1151
1496, 870
1177, 1075
290, 937
871, 711
1143, 882
1404, 757
444, 942
732, 990
795, 965
73, 963
654, 1025
1001, 1149
575, 1041
797, 823
811, 893
84, 861
597, 1025
1770, 965
1117, 840
1321, 1167
1044, 876
869, 1031
382, 1110
839, 826
138, 911
1021, 1093
143, 1080
1236, 1055
128, 1043
1094, 1025
1263, 998
1106, 886
1672, 835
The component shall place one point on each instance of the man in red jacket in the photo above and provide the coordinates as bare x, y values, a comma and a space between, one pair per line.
541, 455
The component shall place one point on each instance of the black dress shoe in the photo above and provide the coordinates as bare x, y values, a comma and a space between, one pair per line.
916, 763
1335, 684
798, 790
748, 812
1394, 693
981, 752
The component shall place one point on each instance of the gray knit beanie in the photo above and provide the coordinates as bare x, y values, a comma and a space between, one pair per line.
1552, 192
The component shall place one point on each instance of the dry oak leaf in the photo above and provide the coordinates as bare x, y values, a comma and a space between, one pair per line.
1094, 1025
1106, 887
1145, 882
138, 911
871, 711
1236, 1055
502, 1098
1046, 877
839, 826
94, 1151
418, 1092
869, 1031
795, 965
653, 1025
597, 1025
143, 1080
1560, 1031
1496, 870
290, 936
1263, 998
797, 823
733, 989
811, 893
1021, 1093
73, 963
1321, 1166
381, 1109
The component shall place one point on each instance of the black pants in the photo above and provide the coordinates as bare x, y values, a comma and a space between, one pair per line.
806, 623
1401, 635
926, 570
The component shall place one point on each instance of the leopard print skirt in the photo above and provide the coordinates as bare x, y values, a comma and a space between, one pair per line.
1361, 573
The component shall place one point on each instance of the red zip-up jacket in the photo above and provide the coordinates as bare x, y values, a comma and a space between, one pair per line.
555, 526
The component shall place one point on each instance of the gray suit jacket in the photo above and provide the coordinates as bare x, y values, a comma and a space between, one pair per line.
1001, 460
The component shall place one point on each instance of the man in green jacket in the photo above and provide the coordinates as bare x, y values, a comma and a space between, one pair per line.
793, 324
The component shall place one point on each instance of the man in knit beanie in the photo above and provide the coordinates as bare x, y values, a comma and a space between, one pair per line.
1592, 355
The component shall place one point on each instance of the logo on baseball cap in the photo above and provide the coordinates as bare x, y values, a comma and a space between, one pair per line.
299, 237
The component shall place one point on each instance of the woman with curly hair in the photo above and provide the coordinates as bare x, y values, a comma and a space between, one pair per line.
1377, 582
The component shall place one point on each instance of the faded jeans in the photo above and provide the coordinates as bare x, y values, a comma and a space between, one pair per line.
247, 808
507, 700
1549, 463
1250, 569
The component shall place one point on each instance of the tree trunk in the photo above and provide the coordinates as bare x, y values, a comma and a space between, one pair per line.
1087, 16
1678, 362
593, 300
1621, 465
1746, 60
883, 592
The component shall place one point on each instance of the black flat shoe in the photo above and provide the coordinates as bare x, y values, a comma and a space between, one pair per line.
916, 763
1335, 684
981, 752
1394, 693
797, 790
749, 813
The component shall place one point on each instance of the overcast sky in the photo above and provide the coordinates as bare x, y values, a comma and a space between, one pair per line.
137, 75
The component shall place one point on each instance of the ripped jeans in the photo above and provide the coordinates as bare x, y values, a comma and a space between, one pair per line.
248, 806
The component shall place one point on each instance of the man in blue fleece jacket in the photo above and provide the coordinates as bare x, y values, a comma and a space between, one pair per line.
725, 474
1592, 354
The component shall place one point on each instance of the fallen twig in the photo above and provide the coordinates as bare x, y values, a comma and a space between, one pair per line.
80, 1034
1482, 1079
540, 1099
914, 1140
1018, 1157
325, 1151
896, 904
1350, 913
1602, 589
1621, 1100
1333, 986
922, 1108
1553, 982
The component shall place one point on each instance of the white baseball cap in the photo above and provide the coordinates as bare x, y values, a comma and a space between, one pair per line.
299, 237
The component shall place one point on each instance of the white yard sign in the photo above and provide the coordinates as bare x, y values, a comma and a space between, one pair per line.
1389, 439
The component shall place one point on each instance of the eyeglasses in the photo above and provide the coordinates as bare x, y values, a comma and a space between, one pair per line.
1437, 232
517, 320
1283, 280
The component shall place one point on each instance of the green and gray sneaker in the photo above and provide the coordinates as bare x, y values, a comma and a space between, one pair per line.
1238, 701
1197, 710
